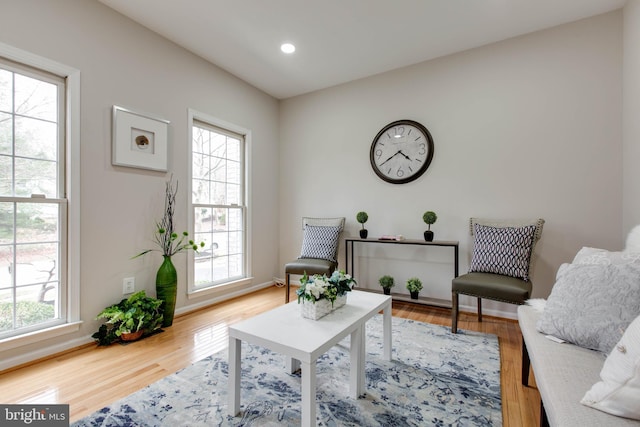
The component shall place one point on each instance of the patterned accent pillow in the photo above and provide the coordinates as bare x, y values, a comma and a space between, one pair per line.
591, 305
502, 250
320, 242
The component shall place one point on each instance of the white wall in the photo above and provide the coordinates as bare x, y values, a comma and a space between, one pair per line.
523, 128
528, 127
123, 63
631, 115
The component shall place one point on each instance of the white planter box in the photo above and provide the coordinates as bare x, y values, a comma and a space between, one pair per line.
320, 308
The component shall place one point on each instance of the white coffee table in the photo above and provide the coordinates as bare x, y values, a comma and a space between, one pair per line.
302, 341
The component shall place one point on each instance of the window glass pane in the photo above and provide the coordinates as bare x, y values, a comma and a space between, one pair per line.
218, 169
233, 172
36, 138
35, 177
6, 310
235, 242
219, 193
201, 193
235, 265
233, 194
6, 267
203, 270
218, 145
6, 89
200, 140
32, 305
35, 98
6, 174
6, 223
220, 268
6, 134
36, 263
233, 149
200, 166
37, 222
203, 220
235, 220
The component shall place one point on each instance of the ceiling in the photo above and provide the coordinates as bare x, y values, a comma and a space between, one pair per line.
339, 41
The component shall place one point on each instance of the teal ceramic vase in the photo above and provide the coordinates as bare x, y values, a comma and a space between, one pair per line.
167, 289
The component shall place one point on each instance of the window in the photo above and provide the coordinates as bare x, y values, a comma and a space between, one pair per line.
218, 204
35, 182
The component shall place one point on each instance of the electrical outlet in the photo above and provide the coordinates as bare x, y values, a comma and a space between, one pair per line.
128, 285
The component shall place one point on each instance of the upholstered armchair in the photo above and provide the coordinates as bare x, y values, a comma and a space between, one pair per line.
502, 259
319, 253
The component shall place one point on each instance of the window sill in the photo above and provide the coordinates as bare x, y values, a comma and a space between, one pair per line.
220, 289
37, 336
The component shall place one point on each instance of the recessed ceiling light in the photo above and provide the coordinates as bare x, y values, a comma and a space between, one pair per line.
287, 48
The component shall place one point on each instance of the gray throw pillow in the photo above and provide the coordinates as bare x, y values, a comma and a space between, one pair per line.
592, 305
320, 242
588, 255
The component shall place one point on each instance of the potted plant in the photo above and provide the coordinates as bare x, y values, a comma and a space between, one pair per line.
429, 217
414, 285
362, 217
387, 283
130, 319
169, 244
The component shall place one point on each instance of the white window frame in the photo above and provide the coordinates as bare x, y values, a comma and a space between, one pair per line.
71, 167
192, 290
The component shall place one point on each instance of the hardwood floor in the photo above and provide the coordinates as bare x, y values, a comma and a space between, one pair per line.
91, 377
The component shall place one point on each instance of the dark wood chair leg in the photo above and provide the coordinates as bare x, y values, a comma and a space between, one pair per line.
526, 364
454, 312
479, 309
288, 285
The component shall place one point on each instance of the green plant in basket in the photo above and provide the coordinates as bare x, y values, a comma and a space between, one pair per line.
319, 287
136, 313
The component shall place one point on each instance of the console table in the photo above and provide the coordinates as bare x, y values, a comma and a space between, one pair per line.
350, 244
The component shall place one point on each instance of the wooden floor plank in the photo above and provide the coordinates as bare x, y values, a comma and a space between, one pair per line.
91, 377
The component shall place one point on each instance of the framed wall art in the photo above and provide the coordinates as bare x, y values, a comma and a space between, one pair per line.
139, 140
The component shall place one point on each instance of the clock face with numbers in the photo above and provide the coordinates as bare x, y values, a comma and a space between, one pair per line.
401, 152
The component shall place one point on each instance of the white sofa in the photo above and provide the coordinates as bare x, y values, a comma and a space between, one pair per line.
563, 373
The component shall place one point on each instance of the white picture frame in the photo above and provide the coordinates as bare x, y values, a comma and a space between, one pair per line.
139, 140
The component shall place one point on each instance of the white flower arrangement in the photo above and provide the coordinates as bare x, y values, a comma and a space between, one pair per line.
319, 287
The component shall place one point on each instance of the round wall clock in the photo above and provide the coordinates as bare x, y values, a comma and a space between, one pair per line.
401, 152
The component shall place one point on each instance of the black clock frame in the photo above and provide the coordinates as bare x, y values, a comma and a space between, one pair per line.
420, 171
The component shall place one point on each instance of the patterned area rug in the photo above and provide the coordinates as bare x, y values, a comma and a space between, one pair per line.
435, 379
